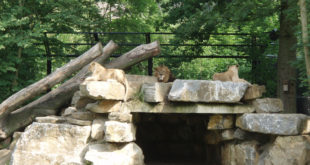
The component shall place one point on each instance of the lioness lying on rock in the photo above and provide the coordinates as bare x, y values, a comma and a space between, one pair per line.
163, 74
230, 75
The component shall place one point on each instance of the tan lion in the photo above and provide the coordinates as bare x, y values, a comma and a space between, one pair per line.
100, 73
163, 74
230, 75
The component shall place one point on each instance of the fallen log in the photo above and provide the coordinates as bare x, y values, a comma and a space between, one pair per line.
51, 103
48, 82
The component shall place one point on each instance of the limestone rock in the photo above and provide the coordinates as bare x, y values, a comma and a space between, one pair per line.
155, 92
277, 124
82, 115
78, 122
254, 91
79, 101
268, 105
108, 90
104, 106
119, 132
121, 116
97, 131
51, 119
16, 136
217, 136
287, 150
5, 156
135, 83
112, 154
138, 106
245, 153
68, 111
207, 91
221, 122
51, 144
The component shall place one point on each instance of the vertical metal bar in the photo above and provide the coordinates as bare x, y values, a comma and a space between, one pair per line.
48, 55
254, 58
96, 37
150, 61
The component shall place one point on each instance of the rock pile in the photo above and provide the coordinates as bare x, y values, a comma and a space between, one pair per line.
99, 127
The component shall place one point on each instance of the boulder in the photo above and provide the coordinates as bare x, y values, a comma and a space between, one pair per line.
277, 124
155, 92
79, 102
97, 130
119, 132
120, 116
207, 91
104, 106
51, 144
268, 105
138, 106
245, 153
107, 90
115, 154
254, 91
220, 122
287, 150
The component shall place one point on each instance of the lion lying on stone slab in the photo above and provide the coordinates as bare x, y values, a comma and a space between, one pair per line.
100, 73
163, 74
230, 75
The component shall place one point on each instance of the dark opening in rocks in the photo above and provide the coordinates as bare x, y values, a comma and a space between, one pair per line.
174, 139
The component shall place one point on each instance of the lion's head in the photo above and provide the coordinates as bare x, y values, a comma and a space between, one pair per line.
162, 73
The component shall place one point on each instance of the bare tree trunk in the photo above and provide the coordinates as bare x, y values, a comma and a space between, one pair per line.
48, 82
305, 39
287, 54
51, 103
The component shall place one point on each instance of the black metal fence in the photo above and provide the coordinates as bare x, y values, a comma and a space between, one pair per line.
245, 43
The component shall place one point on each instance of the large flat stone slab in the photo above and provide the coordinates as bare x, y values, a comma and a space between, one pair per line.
138, 106
207, 91
277, 124
98, 90
51, 144
119, 132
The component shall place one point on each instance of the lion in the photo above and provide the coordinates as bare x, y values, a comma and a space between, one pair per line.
230, 75
163, 74
100, 73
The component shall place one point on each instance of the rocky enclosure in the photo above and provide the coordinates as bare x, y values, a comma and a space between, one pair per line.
210, 121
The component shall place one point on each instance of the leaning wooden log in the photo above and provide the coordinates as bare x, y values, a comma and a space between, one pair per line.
50, 103
48, 82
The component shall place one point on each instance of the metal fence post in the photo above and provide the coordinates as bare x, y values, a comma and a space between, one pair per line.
48, 55
150, 61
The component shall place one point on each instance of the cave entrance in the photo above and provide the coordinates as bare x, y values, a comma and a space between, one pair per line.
174, 139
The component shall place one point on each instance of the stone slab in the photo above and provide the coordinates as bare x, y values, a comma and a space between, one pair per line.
120, 116
99, 90
207, 91
142, 107
50, 119
268, 105
277, 124
97, 131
